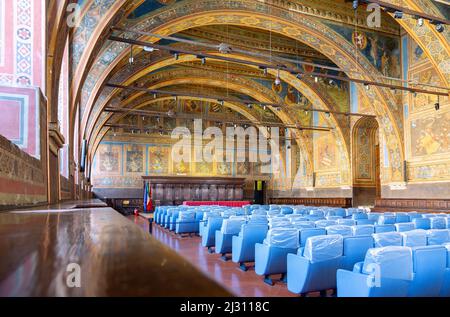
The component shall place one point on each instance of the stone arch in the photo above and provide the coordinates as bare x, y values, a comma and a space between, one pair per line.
312, 33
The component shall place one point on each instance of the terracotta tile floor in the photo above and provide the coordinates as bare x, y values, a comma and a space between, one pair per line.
244, 284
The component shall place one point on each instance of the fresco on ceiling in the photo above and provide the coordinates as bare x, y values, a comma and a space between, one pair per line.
430, 134
158, 159
149, 6
134, 162
381, 50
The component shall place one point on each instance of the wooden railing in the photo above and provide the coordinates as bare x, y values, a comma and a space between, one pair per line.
421, 205
331, 202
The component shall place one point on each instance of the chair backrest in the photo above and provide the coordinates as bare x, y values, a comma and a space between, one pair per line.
414, 238
303, 224
316, 212
387, 239
404, 226
402, 217
210, 214
186, 216
261, 212
422, 223
438, 236
429, 215
310, 232
384, 228
355, 248
286, 210
346, 222
279, 222
282, 238
251, 229
345, 231
387, 219
335, 218
363, 230
438, 223
393, 262
322, 248
414, 215
359, 216
373, 216
447, 246
324, 223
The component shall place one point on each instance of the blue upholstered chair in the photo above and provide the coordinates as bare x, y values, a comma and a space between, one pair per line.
414, 238
438, 223
387, 239
363, 230
373, 216
285, 210
355, 249
404, 226
445, 289
224, 237
243, 245
346, 222
314, 267
345, 231
303, 224
213, 224
334, 218
401, 217
277, 222
186, 222
271, 255
387, 219
438, 236
305, 233
325, 223
422, 223
385, 272
429, 267
360, 216
384, 228
362, 222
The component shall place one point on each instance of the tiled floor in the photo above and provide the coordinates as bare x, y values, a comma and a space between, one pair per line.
240, 283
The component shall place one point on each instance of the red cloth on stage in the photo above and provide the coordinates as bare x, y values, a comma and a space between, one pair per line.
219, 203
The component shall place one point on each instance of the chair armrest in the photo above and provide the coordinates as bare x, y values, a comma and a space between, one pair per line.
357, 268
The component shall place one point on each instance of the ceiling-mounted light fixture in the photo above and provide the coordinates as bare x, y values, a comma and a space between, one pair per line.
221, 102
316, 79
249, 106
367, 86
331, 82
149, 49
147, 132
161, 132
420, 22
176, 56
202, 59
264, 107
299, 76
155, 95
175, 98
327, 114
277, 79
131, 59
355, 4
398, 14
440, 27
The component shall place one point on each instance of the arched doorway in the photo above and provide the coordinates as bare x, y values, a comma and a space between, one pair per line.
366, 162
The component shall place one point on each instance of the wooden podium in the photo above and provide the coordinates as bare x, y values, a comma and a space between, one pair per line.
174, 190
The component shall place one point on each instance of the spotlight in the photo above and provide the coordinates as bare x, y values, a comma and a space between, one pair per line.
143, 118
203, 60
131, 60
415, 94
331, 82
327, 114
437, 106
132, 131
235, 125
264, 107
221, 102
299, 76
148, 49
249, 106
146, 132
115, 134
367, 86
439, 28
157, 119
175, 98
398, 14
161, 132
176, 56
316, 79
245, 126
268, 129
155, 95
355, 4
306, 111
420, 22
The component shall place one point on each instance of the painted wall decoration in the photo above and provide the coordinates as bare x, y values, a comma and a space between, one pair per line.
325, 152
430, 134
109, 158
158, 159
134, 162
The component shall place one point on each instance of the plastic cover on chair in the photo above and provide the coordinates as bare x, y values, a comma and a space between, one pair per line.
346, 222
393, 262
405, 226
363, 230
438, 236
325, 223
322, 248
387, 239
303, 224
232, 225
387, 219
438, 223
279, 222
414, 238
186, 216
345, 231
283, 238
